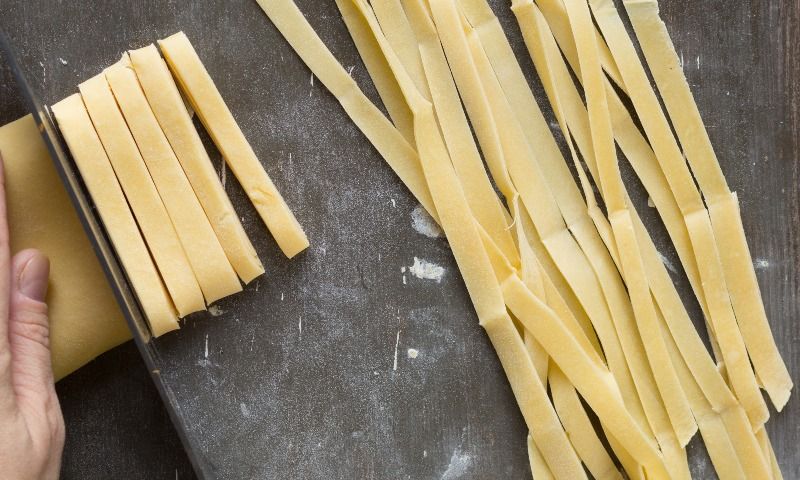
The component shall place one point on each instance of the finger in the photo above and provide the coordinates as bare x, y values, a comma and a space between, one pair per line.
6, 391
29, 328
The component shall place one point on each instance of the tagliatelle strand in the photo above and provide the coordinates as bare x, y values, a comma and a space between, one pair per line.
616, 201
695, 215
386, 139
483, 201
723, 205
458, 223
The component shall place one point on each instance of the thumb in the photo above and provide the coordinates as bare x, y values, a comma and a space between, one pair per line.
28, 326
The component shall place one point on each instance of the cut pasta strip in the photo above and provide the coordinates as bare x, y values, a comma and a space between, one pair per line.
620, 420
483, 201
675, 401
766, 447
147, 207
218, 120
695, 215
386, 139
170, 111
458, 223
530, 17
399, 33
663, 290
722, 204
208, 261
379, 72
559, 244
719, 442
539, 468
619, 303
579, 428
594, 383
636, 150
98, 175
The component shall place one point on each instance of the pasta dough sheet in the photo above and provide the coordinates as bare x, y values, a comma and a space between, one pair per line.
85, 319
218, 120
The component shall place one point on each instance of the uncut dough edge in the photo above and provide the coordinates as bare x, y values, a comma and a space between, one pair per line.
170, 110
207, 101
42, 217
107, 195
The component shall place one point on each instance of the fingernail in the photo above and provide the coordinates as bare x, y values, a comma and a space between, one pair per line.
34, 278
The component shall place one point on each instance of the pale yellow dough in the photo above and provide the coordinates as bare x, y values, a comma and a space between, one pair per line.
208, 261
218, 120
85, 319
558, 84
107, 195
149, 210
173, 117
723, 206
691, 205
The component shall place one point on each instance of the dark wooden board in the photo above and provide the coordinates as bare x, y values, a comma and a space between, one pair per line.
272, 401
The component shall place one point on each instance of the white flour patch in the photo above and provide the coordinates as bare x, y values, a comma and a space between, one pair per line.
667, 263
215, 310
650, 203
424, 224
460, 462
205, 352
762, 263
244, 409
63, 62
426, 270
413, 353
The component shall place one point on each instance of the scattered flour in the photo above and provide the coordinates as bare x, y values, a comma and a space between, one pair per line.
426, 270
667, 263
413, 352
459, 465
424, 224
396, 344
761, 263
63, 62
650, 203
215, 310
244, 409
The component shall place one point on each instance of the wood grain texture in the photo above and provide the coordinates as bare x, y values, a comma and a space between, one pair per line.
273, 400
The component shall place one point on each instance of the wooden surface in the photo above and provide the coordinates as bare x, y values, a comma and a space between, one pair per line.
273, 400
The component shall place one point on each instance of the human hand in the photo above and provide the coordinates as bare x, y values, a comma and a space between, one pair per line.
31, 424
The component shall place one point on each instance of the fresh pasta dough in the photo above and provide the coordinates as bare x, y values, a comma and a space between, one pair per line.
85, 319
